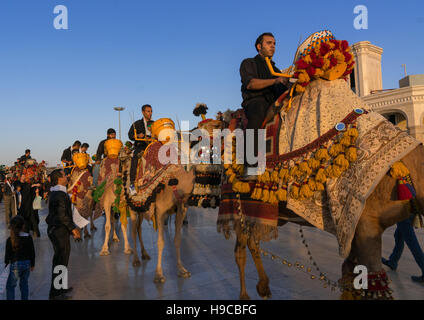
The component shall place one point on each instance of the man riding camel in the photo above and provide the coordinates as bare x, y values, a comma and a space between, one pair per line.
259, 88
142, 128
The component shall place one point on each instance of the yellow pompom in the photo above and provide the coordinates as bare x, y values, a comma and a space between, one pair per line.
284, 174
303, 167
351, 155
334, 171
335, 149
342, 162
304, 77
236, 186
399, 170
257, 192
274, 176
265, 177
295, 172
345, 141
273, 198
352, 132
326, 64
321, 177
300, 88
318, 73
312, 184
294, 191
265, 194
227, 166
322, 155
245, 187
319, 186
314, 164
305, 192
282, 194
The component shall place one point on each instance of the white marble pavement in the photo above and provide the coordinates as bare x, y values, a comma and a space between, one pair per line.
209, 258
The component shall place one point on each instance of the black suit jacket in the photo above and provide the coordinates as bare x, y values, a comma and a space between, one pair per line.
60, 211
140, 128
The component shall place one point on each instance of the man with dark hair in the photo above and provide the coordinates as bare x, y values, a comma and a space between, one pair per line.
60, 227
259, 88
111, 134
9, 199
25, 157
67, 155
84, 147
142, 128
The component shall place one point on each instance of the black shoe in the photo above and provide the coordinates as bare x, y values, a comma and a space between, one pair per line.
117, 215
418, 279
387, 263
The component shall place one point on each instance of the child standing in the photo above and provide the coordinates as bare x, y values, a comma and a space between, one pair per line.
21, 255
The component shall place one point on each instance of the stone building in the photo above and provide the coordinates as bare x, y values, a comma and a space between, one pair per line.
403, 106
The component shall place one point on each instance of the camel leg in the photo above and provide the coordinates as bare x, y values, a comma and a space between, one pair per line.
114, 226
144, 254
263, 285
159, 277
134, 221
179, 218
127, 246
240, 255
105, 249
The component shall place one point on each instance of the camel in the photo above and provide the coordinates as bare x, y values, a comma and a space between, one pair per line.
330, 101
171, 199
106, 203
381, 212
82, 180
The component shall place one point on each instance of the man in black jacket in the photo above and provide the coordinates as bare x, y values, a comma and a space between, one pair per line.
142, 128
110, 134
67, 156
22, 160
60, 227
259, 87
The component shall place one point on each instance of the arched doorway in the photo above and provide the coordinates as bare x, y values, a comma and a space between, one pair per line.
398, 119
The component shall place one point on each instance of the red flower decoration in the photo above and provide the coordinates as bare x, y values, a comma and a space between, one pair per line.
350, 66
318, 62
333, 61
304, 84
296, 75
345, 45
313, 55
347, 72
79, 183
301, 64
324, 49
311, 71
347, 55
336, 43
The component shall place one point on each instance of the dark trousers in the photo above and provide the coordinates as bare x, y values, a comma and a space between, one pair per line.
134, 163
255, 110
9, 208
60, 239
34, 220
405, 234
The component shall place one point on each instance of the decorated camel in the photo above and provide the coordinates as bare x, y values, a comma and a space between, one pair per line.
330, 163
80, 186
162, 188
108, 192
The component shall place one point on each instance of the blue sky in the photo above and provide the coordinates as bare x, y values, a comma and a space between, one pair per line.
57, 86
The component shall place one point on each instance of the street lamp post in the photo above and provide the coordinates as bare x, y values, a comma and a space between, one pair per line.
119, 109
